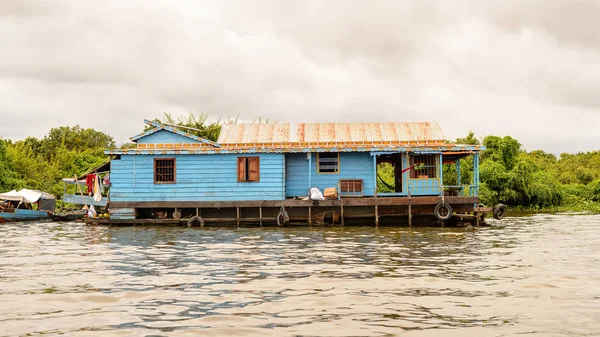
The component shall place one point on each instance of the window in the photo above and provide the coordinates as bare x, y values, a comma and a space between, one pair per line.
248, 169
351, 187
328, 162
164, 171
423, 166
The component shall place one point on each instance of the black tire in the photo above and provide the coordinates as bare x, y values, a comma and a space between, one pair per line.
443, 211
196, 221
282, 218
499, 211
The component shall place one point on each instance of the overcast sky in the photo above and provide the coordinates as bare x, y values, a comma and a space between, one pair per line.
529, 69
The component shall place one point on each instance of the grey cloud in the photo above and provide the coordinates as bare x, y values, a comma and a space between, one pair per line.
570, 22
497, 67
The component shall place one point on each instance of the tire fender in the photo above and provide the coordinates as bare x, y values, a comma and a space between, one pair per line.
282, 218
499, 211
195, 221
443, 211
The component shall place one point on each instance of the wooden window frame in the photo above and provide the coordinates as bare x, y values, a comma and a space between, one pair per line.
348, 187
430, 166
174, 171
319, 164
243, 162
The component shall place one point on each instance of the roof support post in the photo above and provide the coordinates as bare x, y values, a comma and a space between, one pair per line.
375, 174
309, 171
458, 172
441, 173
476, 174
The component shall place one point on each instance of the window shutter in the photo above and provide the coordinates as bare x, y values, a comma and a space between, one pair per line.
253, 170
241, 169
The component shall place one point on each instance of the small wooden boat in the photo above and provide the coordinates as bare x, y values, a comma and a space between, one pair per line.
68, 216
18, 205
18, 214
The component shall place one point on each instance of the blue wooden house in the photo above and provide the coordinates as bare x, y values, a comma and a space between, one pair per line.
254, 171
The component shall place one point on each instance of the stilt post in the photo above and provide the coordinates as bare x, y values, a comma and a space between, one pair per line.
409, 208
342, 210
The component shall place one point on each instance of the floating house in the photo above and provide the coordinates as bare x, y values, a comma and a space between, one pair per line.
263, 173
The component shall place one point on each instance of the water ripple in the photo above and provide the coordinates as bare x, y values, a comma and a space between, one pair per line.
534, 275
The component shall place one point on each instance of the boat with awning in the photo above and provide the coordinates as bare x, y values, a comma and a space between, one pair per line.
17, 205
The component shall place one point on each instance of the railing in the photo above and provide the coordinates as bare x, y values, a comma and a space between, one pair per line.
461, 190
455, 190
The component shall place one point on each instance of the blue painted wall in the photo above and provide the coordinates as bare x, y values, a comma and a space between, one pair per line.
198, 178
165, 137
353, 165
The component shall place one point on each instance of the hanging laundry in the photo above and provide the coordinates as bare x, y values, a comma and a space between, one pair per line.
97, 191
107, 180
99, 179
89, 181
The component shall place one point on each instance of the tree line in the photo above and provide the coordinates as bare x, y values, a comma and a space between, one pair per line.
509, 174
524, 180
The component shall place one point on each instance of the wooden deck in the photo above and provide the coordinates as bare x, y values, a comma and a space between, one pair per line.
306, 212
387, 201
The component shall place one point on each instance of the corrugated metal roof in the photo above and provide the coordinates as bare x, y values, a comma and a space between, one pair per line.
287, 149
329, 133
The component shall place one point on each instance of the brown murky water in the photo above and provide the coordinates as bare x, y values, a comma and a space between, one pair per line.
537, 275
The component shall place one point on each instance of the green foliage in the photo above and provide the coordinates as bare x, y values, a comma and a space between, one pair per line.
385, 172
197, 126
593, 190
470, 139
71, 138
504, 150
534, 180
8, 177
42, 163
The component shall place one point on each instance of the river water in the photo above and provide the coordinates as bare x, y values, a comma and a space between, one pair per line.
535, 275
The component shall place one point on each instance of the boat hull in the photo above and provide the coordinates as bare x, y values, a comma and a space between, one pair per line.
23, 215
71, 216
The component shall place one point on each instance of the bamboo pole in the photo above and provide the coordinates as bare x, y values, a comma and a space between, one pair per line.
80, 192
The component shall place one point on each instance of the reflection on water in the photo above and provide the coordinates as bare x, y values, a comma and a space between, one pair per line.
535, 275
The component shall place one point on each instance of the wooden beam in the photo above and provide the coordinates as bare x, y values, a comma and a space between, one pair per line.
380, 201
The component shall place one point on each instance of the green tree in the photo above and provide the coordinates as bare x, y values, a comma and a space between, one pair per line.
8, 177
470, 139
71, 138
197, 126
